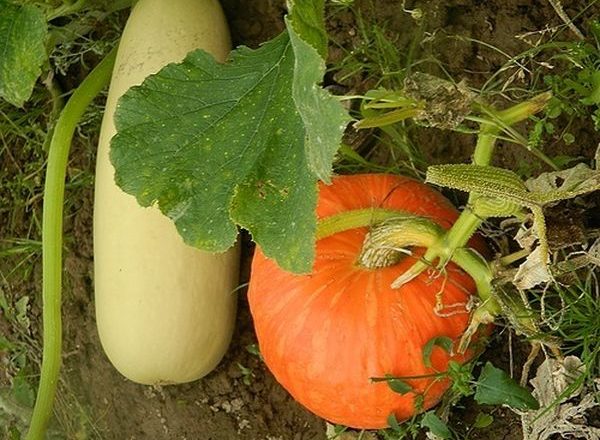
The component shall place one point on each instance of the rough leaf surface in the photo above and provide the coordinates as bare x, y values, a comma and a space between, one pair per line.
23, 31
307, 20
323, 115
218, 145
240, 144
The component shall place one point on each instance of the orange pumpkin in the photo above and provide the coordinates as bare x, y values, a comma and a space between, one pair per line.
325, 335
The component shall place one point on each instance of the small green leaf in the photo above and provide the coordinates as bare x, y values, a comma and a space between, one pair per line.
593, 98
460, 375
444, 342
436, 426
398, 385
483, 420
554, 108
5, 344
254, 349
495, 387
22, 391
392, 422
568, 138
23, 31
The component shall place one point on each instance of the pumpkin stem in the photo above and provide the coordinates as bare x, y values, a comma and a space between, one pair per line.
391, 235
478, 269
358, 218
387, 243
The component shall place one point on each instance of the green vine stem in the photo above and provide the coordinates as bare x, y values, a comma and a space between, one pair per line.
392, 231
503, 120
387, 241
468, 221
489, 308
52, 224
465, 226
356, 219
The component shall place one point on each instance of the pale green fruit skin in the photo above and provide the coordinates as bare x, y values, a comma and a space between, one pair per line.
165, 311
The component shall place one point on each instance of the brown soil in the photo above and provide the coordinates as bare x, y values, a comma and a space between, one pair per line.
240, 399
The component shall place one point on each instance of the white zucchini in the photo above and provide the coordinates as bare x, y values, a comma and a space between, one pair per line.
165, 311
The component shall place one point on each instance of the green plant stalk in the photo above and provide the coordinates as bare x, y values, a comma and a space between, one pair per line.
52, 224
468, 222
356, 219
392, 230
489, 308
486, 140
397, 229
415, 231
455, 238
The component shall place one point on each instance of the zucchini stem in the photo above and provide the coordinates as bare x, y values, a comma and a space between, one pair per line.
52, 225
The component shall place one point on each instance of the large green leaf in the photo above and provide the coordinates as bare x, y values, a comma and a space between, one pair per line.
217, 145
242, 143
23, 31
323, 115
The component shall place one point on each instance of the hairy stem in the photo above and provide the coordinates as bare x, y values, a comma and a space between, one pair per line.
468, 222
388, 241
393, 231
52, 224
396, 231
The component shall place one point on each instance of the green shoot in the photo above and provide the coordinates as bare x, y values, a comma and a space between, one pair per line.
568, 313
52, 240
